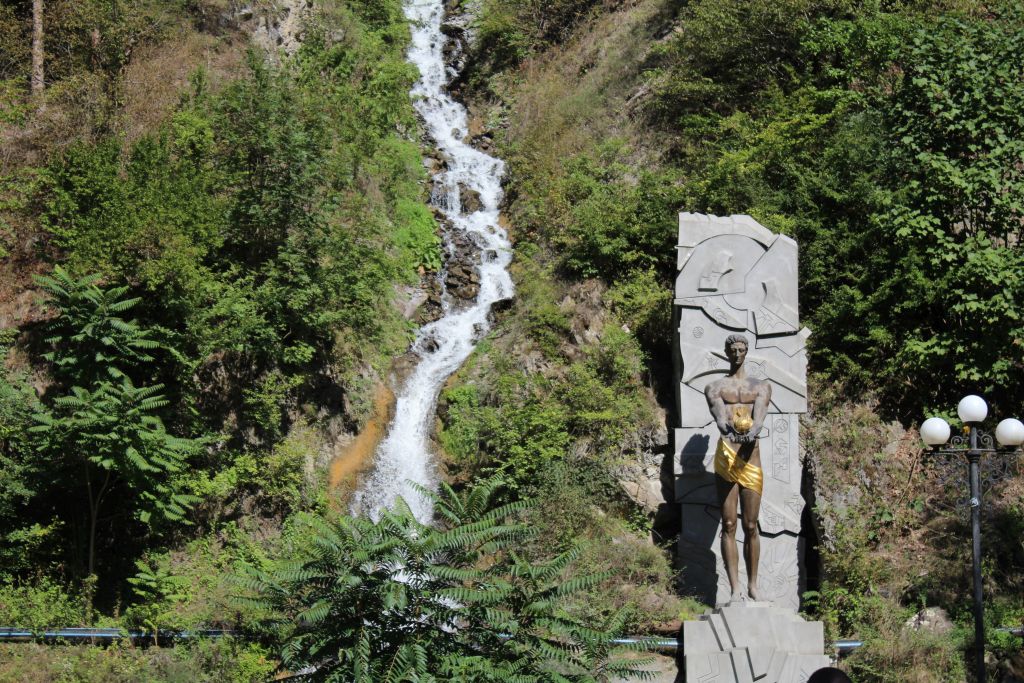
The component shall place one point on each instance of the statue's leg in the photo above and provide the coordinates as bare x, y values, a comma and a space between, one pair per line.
728, 499
750, 504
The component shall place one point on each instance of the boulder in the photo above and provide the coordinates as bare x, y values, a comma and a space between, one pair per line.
931, 619
469, 199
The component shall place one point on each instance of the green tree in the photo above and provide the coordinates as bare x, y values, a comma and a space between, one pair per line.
400, 600
957, 130
119, 444
90, 340
104, 430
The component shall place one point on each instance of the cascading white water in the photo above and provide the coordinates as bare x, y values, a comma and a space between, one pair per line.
442, 346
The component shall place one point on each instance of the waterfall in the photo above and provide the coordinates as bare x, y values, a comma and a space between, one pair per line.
441, 346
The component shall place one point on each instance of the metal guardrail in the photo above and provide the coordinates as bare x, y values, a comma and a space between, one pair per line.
109, 635
13, 634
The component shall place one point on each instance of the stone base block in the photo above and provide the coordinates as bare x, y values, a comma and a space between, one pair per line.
752, 642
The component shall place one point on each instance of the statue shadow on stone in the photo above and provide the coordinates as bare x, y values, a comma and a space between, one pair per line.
700, 532
667, 519
693, 454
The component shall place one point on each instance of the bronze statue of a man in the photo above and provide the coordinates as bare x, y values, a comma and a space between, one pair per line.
739, 405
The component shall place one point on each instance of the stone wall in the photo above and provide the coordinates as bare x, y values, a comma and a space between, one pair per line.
736, 276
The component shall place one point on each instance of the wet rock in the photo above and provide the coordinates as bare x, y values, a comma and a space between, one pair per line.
429, 345
462, 277
502, 305
457, 28
402, 367
470, 199
483, 142
432, 307
467, 292
435, 164
463, 281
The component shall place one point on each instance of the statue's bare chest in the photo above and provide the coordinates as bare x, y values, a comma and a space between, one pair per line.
739, 390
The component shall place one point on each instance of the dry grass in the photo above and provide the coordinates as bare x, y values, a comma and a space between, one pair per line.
155, 81
895, 655
574, 96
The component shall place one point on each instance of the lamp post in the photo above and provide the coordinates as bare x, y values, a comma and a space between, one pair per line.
974, 443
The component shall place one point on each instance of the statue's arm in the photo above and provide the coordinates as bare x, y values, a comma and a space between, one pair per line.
764, 397
713, 394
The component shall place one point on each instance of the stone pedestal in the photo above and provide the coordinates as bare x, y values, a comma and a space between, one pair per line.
752, 641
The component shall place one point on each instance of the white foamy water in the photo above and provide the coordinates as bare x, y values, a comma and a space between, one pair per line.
442, 346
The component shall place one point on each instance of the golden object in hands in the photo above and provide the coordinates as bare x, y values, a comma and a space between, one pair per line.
742, 420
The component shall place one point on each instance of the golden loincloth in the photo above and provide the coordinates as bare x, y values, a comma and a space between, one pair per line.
731, 467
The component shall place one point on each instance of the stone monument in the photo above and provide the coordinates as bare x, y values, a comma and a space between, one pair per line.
741, 367
737, 277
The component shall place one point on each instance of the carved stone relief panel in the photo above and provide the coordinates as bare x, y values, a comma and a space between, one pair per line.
736, 276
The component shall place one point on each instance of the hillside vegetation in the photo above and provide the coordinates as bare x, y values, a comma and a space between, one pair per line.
200, 249
206, 243
886, 139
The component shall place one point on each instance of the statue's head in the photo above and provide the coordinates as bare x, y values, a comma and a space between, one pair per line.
736, 346
736, 339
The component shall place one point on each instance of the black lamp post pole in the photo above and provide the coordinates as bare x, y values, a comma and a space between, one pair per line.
973, 457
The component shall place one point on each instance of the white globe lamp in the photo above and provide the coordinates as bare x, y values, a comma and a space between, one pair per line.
935, 431
972, 409
1010, 432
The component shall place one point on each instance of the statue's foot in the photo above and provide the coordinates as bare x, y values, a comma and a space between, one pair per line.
754, 594
736, 596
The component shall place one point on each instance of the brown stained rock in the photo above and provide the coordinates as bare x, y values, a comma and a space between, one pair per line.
585, 303
434, 165
476, 127
470, 199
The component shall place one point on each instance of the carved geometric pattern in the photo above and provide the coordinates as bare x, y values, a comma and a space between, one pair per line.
752, 641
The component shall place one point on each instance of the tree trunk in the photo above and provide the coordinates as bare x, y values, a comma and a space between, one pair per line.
37, 48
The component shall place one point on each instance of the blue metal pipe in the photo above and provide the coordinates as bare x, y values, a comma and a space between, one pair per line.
103, 635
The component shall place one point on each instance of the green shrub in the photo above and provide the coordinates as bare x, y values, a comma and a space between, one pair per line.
460, 435
39, 605
417, 235
397, 599
200, 661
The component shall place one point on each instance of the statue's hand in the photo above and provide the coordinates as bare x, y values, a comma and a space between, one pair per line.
754, 432
747, 437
